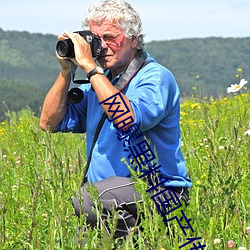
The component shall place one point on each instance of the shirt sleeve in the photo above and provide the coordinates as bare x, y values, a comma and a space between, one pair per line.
154, 95
75, 117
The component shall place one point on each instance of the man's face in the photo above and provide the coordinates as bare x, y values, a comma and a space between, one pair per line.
118, 50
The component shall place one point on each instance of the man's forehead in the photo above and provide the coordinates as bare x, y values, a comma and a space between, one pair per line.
105, 27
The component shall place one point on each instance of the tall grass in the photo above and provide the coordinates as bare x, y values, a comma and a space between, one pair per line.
40, 172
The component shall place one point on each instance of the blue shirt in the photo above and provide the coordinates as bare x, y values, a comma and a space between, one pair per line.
154, 98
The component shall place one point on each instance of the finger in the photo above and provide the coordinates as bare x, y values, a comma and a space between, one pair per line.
59, 57
69, 60
75, 37
69, 34
66, 33
62, 36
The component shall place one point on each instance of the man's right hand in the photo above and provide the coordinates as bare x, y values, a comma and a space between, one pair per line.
66, 63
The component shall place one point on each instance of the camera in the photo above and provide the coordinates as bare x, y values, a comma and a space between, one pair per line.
65, 48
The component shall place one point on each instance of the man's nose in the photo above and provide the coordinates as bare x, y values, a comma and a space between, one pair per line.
104, 44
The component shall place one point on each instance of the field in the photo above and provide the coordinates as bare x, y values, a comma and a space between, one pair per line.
40, 172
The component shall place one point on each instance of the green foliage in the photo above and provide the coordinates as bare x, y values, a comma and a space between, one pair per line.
28, 58
40, 172
36, 184
14, 95
216, 146
208, 62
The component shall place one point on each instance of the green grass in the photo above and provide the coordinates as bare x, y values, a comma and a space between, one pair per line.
40, 172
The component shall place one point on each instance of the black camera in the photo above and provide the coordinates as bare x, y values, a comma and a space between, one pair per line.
65, 48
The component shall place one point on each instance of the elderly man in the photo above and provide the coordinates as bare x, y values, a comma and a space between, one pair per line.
145, 89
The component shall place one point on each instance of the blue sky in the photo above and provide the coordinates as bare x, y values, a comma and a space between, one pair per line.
162, 19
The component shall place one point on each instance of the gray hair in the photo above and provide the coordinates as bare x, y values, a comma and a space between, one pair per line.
120, 13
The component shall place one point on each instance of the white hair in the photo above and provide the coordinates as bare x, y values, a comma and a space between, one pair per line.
120, 13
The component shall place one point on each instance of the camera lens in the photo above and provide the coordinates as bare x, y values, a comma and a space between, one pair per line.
65, 48
75, 95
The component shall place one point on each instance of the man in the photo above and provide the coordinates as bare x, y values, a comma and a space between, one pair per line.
148, 93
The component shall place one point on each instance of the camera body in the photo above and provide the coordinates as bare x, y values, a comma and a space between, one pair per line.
65, 48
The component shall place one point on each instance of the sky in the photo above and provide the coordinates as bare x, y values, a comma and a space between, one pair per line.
162, 19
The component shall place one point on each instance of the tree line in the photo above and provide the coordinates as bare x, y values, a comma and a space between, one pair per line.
202, 67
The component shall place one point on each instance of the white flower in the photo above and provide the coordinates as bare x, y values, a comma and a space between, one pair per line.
246, 133
216, 241
242, 248
22, 210
221, 147
237, 87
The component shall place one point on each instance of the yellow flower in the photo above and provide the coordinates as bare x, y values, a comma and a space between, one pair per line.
240, 70
195, 105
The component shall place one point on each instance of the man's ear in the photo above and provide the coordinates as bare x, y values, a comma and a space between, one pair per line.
134, 42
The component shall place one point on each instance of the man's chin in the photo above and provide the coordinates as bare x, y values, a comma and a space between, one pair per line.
104, 63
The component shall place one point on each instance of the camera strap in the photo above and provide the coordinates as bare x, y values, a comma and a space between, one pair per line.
136, 64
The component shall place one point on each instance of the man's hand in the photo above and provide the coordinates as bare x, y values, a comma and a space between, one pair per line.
83, 54
66, 63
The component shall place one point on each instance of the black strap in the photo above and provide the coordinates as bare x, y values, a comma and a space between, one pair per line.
97, 132
136, 64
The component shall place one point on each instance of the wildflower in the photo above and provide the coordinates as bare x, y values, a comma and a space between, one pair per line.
240, 70
230, 244
242, 248
237, 87
198, 182
45, 216
14, 188
248, 230
22, 210
221, 147
195, 106
247, 133
216, 241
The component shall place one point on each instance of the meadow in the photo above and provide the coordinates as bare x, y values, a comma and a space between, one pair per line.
40, 172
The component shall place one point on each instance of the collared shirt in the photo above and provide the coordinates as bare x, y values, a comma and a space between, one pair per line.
154, 97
